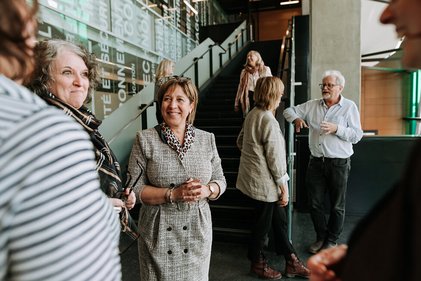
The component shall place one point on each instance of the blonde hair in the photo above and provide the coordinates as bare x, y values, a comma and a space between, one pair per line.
267, 92
161, 70
260, 65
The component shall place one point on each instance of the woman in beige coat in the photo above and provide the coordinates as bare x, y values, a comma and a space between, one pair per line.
263, 177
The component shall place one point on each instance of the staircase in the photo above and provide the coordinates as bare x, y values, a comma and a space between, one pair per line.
232, 213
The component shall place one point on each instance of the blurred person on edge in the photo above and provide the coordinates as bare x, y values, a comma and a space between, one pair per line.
55, 223
386, 244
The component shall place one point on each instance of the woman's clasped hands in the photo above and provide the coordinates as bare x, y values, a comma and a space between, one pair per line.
190, 191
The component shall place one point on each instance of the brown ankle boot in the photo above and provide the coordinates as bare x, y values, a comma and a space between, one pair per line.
264, 271
295, 267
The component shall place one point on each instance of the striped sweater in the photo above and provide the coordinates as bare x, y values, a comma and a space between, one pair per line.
55, 222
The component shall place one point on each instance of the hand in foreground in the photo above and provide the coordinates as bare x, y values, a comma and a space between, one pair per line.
320, 264
283, 200
299, 124
189, 191
116, 202
130, 198
284, 197
328, 128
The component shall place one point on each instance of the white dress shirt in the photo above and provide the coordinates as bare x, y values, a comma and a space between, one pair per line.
345, 114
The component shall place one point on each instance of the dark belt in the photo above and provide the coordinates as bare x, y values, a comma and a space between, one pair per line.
323, 159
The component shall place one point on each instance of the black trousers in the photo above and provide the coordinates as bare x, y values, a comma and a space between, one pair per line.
251, 99
270, 215
327, 176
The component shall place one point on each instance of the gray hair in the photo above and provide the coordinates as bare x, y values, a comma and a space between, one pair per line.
45, 54
340, 79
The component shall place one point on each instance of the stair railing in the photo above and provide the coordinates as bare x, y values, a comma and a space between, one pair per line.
286, 71
120, 127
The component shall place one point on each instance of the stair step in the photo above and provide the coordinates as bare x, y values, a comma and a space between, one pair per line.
232, 213
232, 198
231, 178
229, 152
219, 106
230, 164
217, 114
226, 139
218, 121
221, 130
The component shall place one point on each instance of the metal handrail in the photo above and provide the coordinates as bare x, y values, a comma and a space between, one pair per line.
142, 108
209, 48
145, 106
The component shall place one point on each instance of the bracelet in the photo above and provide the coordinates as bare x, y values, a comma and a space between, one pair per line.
170, 195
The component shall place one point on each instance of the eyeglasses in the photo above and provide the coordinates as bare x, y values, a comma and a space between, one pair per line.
329, 86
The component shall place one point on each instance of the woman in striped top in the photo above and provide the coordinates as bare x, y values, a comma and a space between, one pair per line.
55, 223
66, 76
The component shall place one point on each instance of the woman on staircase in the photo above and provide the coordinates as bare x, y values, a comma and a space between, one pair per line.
263, 177
253, 70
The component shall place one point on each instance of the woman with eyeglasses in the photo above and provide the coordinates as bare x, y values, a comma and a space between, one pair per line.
175, 169
65, 76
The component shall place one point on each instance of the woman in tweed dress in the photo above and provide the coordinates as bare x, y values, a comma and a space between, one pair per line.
175, 169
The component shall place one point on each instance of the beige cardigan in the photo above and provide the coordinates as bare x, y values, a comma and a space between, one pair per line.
263, 158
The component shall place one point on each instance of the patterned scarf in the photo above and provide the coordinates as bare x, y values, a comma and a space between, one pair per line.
243, 91
173, 142
106, 163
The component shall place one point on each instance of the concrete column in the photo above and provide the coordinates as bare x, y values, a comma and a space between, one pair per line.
335, 44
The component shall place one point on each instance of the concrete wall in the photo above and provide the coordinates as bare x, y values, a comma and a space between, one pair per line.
335, 44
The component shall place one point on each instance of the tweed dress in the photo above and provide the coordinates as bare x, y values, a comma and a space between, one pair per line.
175, 239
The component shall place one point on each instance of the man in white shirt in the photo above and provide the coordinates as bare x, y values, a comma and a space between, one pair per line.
334, 126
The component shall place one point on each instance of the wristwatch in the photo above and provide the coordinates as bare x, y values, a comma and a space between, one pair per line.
212, 189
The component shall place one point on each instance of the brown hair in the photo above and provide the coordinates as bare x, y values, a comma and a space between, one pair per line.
267, 91
15, 15
188, 88
46, 52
